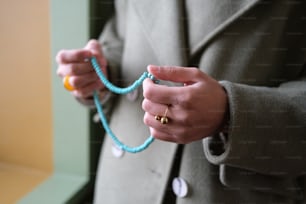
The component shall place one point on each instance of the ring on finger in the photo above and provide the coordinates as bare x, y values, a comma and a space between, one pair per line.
163, 119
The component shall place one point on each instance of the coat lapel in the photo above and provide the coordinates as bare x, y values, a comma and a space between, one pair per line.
239, 8
162, 23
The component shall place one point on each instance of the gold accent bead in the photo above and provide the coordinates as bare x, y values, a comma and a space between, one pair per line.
158, 117
164, 120
67, 84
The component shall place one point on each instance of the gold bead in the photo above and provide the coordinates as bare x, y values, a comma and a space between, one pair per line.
164, 120
67, 85
158, 117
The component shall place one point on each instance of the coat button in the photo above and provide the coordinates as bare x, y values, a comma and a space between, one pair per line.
180, 187
117, 152
132, 96
96, 118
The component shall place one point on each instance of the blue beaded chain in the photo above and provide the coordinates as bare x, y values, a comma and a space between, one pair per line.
119, 90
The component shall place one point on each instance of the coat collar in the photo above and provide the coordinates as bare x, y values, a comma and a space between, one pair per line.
162, 22
242, 7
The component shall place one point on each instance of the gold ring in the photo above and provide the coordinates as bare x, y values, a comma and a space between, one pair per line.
66, 83
163, 119
157, 117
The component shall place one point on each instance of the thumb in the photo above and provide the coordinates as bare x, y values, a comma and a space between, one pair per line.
186, 75
95, 48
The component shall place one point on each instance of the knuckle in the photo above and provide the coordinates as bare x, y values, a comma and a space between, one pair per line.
147, 92
180, 140
59, 56
183, 132
184, 99
184, 138
73, 69
82, 93
196, 73
74, 82
92, 41
99, 85
184, 119
79, 93
172, 70
144, 105
155, 134
145, 120
80, 55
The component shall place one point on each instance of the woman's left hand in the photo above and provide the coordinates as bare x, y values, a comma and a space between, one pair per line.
195, 111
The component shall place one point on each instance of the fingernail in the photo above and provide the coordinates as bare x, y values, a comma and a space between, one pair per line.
153, 67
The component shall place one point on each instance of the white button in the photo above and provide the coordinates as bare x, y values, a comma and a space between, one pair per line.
132, 96
96, 118
180, 187
117, 152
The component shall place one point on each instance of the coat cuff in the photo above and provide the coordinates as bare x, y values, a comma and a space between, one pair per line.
264, 122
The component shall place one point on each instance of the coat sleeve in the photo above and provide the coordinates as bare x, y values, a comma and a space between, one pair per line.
267, 131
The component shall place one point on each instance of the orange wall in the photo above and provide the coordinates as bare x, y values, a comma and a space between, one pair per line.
25, 84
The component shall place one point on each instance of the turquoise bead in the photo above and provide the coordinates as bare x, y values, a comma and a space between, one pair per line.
119, 90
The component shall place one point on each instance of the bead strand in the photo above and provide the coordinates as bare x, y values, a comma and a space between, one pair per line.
116, 89
119, 90
122, 146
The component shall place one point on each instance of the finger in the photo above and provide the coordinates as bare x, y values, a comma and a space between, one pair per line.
169, 132
151, 121
176, 74
73, 56
154, 108
163, 94
87, 90
80, 82
74, 69
161, 135
95, 47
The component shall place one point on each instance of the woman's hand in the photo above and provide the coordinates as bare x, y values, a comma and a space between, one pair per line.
196, 110
76, 64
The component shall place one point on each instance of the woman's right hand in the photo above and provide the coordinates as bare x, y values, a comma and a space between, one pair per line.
76, 64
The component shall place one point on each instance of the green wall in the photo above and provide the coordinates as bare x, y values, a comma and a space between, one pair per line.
69, 28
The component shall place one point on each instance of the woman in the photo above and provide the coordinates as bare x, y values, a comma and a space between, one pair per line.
234, 92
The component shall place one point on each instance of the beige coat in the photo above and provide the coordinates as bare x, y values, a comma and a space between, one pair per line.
257, 50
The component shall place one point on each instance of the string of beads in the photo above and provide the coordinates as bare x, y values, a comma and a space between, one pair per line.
119, 90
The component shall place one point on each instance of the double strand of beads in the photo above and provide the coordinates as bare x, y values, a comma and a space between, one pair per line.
119, 90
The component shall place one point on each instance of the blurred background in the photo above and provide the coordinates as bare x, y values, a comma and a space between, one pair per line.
49, 144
